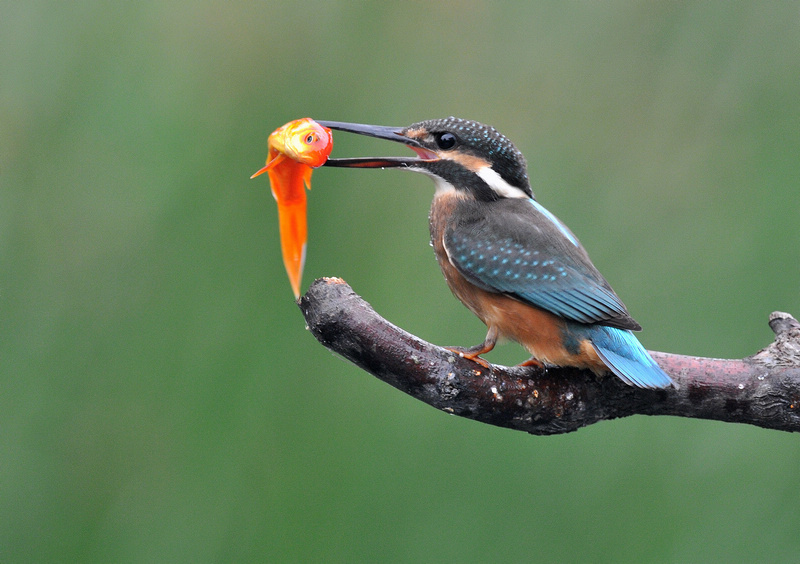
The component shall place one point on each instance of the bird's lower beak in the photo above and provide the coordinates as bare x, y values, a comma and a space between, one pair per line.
381, 132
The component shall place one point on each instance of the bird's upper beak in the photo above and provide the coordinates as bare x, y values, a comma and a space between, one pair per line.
381, 132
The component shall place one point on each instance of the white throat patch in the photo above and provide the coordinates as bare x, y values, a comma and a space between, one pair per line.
496, 183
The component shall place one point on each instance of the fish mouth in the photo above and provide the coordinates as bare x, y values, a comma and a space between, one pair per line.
395, 134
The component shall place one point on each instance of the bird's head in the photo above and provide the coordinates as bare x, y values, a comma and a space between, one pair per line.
458, 154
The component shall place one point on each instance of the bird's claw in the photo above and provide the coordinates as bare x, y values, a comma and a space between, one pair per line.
469, 354
533, 362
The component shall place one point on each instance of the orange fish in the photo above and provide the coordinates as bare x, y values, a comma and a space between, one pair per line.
294, 150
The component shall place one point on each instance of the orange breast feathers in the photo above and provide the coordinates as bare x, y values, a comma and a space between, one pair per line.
295, 149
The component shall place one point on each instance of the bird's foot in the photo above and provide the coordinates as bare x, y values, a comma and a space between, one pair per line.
533, 362
471, 353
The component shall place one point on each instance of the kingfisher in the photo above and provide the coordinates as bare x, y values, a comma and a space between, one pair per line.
508, 259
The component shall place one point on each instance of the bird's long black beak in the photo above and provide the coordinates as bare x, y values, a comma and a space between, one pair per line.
381, 132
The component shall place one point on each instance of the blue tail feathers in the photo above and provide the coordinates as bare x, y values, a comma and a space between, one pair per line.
625, 356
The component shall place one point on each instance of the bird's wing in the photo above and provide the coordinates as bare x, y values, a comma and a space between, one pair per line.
522, 250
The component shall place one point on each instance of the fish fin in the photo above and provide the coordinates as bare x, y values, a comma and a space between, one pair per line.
272, 163
307, 176
275, 162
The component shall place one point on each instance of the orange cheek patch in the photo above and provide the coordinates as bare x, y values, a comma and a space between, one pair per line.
470, 162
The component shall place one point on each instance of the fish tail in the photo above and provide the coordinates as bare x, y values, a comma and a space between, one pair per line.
294, 234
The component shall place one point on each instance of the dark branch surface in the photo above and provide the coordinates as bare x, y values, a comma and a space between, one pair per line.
762, 390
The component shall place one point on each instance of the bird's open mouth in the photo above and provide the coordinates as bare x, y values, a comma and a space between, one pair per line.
381, 132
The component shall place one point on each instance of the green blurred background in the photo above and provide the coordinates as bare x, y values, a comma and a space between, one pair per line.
161, 399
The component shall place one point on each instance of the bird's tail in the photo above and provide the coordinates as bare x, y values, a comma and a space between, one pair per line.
625, 356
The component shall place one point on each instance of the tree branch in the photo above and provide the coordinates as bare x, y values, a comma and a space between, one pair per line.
762, 390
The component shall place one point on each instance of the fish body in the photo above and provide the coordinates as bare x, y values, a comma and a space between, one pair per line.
295, 149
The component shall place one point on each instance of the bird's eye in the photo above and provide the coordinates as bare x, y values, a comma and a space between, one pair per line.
445, 140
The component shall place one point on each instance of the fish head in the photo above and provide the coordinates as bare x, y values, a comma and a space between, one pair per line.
304, 141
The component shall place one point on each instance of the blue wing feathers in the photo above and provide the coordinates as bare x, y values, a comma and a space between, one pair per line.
527, 253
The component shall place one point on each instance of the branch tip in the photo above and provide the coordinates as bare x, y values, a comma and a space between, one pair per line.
781, 322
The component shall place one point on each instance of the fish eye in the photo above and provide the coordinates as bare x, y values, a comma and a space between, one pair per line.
445, 140
310, 138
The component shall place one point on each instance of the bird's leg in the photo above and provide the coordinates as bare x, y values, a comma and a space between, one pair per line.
473, 353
